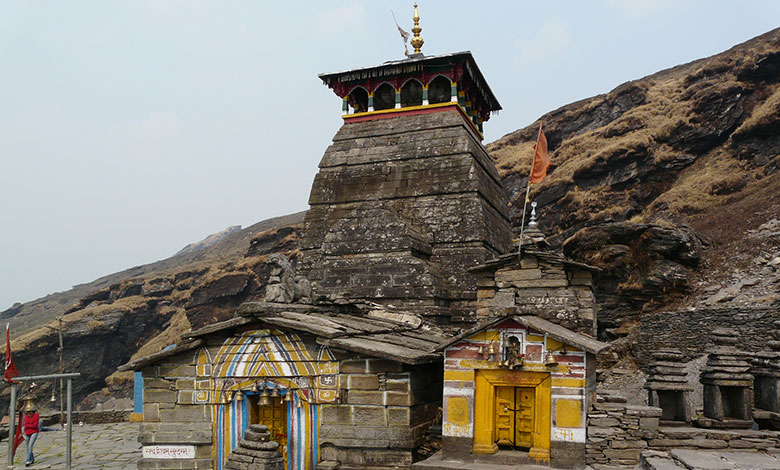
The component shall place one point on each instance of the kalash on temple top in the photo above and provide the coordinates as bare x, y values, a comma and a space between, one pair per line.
418, 84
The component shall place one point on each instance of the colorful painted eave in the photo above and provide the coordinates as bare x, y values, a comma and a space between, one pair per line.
396, 67
555, 331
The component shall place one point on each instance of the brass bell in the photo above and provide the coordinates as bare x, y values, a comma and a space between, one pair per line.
275, 393
300, 403
255, 388
30, 405
265, 397
288, 396
481, 350
239, 395
550, 361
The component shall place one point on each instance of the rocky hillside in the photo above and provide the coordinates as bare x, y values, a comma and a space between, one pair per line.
143, 309
669, 183
664, 182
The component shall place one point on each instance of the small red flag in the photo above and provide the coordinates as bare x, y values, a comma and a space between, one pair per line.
10, 367
541, 160
18, 438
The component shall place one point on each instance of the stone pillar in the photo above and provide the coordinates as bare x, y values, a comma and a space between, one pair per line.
667, 387
728, 385
766, 379
255, 451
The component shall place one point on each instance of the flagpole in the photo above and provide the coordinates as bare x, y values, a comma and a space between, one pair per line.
527, 192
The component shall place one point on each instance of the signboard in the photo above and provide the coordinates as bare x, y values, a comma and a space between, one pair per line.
169, 452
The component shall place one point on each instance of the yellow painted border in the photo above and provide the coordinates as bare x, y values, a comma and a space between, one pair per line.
485, 404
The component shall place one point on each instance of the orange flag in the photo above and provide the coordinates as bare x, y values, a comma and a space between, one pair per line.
541, 160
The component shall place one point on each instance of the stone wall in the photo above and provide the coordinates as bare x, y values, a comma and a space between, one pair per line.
539, 286
618, 433
170, 415
385, 410
689, 330
400, 209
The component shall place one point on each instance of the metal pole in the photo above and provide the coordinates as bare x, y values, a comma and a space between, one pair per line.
70, 424
12, 426
60, 353
28, 378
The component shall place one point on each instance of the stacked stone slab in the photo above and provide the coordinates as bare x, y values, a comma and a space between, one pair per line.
667, 386
728, 385
255, 451
400, 209
618, 433
766, 376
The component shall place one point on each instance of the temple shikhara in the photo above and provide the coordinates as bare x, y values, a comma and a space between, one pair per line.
409, 315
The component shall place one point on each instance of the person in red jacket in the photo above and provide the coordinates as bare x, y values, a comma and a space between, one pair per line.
31, 426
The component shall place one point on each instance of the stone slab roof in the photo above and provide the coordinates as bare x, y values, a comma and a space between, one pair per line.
142, 362
378, 332
555, 331
549, 256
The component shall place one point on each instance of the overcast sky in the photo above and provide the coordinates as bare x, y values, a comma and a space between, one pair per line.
129, 129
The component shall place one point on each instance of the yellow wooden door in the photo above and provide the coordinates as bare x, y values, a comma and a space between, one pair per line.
505, 416
275, 417
524, 416
514, 416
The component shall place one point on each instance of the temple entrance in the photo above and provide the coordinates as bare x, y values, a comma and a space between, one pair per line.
512, 410
515, 416
275, 417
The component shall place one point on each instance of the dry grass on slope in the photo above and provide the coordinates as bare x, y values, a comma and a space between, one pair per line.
655, 147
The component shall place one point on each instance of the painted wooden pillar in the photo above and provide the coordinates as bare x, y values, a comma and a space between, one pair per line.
371, 102
484, 415
453, 92
345, 105
425, 95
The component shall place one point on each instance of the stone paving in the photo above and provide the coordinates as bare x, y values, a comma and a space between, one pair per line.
684, 459
95, 447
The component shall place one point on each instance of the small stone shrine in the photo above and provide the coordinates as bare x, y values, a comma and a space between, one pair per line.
728, 385
667, 387
255, 451
766, 380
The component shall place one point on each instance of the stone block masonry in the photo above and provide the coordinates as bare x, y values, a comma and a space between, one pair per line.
689, 330
618, 433
171, 421
400, 209
538, 286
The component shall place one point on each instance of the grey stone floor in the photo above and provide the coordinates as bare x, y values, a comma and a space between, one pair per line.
95, 447
681, 459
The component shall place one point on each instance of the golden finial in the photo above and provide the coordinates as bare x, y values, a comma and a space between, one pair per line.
417, 41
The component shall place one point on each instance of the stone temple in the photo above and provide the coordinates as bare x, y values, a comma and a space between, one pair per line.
407, 199
409, 318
